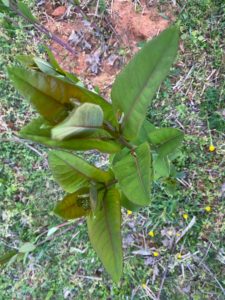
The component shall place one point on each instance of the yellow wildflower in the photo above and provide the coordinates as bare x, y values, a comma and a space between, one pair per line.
155, 253
129, 212
151, 233
208, 208
185, 216
144, 285
178, 234
212, 148
179, 255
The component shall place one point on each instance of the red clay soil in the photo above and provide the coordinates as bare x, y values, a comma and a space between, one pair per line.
98, 53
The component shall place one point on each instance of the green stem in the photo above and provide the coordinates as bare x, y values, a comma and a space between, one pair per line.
117, 136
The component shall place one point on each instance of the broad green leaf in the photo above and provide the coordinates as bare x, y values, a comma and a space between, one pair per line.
26, 11
161, 167
72, 172
74, 205
170, 185
83, 120
128, 204
27, 247
136, 85
6, 257
39, 131
146, 128
34, 85
134, 173
45, 104
166, 140
105, 235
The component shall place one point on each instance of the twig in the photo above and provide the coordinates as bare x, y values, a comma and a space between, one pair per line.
23, 142
214, 277
89, 277
207, 251
189, 226
44, 30
55, 235
166, 270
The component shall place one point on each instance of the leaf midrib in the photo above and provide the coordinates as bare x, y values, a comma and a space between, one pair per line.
78, 171
109, 231
168, 140
140, 175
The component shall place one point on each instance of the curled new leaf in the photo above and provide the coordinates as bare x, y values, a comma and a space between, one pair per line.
39, 130
82, 120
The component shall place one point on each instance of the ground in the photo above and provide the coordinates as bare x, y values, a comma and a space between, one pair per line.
104, 36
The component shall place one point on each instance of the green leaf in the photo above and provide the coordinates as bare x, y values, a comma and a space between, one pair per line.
46, 105
44, 90
105, 235
134, 173
27, 247
136, 85
45, 67
128, 204
161, 167
57, 67
26, 11
72, 172
6, 257
26, 60
146, 128
166, 140
39, 130
74, 205
82, 120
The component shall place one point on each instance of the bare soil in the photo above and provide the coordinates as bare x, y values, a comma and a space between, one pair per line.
102, 42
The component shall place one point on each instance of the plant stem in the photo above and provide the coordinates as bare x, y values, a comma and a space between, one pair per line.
43, 29
124, 142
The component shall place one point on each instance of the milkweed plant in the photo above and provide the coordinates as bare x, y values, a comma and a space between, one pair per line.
73, 118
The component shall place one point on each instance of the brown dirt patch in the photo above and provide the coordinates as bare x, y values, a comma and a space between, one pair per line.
135, 26
102, 43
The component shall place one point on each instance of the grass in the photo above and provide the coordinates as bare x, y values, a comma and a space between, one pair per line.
66, 267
